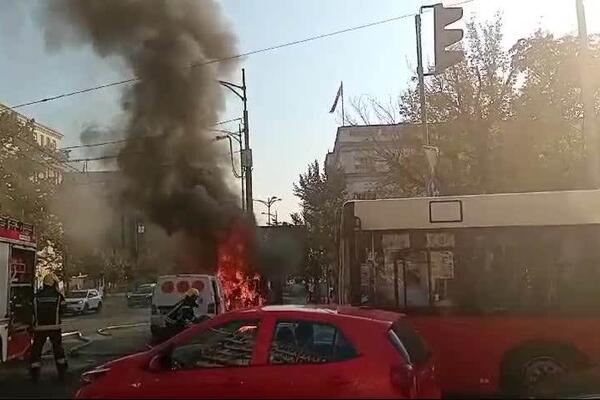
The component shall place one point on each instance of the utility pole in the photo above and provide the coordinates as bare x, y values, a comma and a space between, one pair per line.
238, 138
421, 75
248, 153
590, 133
269, 203
242, 173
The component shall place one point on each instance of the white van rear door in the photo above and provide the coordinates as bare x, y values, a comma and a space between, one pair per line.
171, 289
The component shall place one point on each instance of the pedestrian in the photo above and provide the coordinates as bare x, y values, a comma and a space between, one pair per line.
416, 294
48, 306
183, 315
310, 298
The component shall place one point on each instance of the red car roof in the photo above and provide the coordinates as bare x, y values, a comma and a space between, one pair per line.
344, 311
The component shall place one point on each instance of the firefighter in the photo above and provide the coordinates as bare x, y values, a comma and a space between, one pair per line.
48, 305
182, 315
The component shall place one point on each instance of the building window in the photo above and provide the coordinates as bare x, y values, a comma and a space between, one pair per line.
366, 195
363, 163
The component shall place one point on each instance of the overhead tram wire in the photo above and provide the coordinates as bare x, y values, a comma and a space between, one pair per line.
117, 141
111, 156
219, 60
41, 150
214, 61
234, 57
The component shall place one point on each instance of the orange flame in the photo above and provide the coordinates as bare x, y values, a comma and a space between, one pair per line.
240, 282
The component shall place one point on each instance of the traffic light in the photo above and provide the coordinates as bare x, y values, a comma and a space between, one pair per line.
443, 38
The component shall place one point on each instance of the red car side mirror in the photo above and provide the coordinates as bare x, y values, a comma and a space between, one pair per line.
156, 364
161, 361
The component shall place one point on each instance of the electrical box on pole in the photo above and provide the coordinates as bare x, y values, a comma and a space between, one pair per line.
444, 38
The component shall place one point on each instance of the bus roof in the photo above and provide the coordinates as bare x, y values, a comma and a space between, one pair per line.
576, 207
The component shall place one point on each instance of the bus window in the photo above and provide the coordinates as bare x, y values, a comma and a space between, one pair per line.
529, 269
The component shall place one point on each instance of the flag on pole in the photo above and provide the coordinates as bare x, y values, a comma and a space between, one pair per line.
340, 94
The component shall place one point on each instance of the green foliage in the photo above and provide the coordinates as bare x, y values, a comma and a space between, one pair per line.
321, 194
28, 181
505, 120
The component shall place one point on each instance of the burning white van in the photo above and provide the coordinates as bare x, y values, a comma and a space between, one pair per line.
171, 288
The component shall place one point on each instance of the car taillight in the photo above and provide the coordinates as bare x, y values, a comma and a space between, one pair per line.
211, 308
154, 309
404, 379
90, 376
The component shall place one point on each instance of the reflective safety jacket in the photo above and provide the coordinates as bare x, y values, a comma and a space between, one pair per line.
48, 305
182, 314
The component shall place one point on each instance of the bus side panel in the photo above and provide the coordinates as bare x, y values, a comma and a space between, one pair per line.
4, 253
469, 349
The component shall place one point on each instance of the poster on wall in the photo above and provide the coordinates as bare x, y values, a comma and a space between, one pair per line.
394, 241
440, 239
442, 264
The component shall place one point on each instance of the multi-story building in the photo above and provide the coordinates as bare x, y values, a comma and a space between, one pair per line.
44, 135
357, 153
49, 141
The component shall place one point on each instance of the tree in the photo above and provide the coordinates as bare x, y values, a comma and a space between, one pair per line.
505, 120
29, 183
321, 195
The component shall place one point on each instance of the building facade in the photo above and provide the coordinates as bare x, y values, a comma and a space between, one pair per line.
44, 135
49, 141
356, 152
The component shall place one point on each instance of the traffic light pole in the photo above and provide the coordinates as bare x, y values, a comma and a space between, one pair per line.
421, 75
589, 113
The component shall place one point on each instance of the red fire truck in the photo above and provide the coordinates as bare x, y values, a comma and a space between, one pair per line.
17, 274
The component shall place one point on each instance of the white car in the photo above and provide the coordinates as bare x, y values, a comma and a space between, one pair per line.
82, 301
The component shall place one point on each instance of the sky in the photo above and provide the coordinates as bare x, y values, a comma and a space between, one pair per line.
290, 90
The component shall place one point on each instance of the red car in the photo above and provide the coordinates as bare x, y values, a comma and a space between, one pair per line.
278, 352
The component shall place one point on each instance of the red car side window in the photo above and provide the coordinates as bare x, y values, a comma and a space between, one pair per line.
226, 345
307, 342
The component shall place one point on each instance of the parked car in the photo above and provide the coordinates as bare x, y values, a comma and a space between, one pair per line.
141, 296
171, 288
277, 352
82, 301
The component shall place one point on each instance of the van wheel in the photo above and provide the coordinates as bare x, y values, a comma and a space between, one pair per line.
85, 310
99, 308
529, 367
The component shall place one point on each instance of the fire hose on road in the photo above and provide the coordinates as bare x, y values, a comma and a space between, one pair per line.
105, 331
86, 342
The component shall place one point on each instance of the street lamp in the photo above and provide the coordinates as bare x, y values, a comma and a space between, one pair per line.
246, 153
268, 203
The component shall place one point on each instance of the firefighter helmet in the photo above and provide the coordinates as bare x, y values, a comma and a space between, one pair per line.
193, 292
50, 279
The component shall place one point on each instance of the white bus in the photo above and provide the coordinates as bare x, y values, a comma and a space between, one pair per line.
493, 281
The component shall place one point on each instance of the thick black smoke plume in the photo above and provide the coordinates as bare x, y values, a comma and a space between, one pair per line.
174, 173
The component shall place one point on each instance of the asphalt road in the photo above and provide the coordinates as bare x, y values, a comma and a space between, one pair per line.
14, 380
